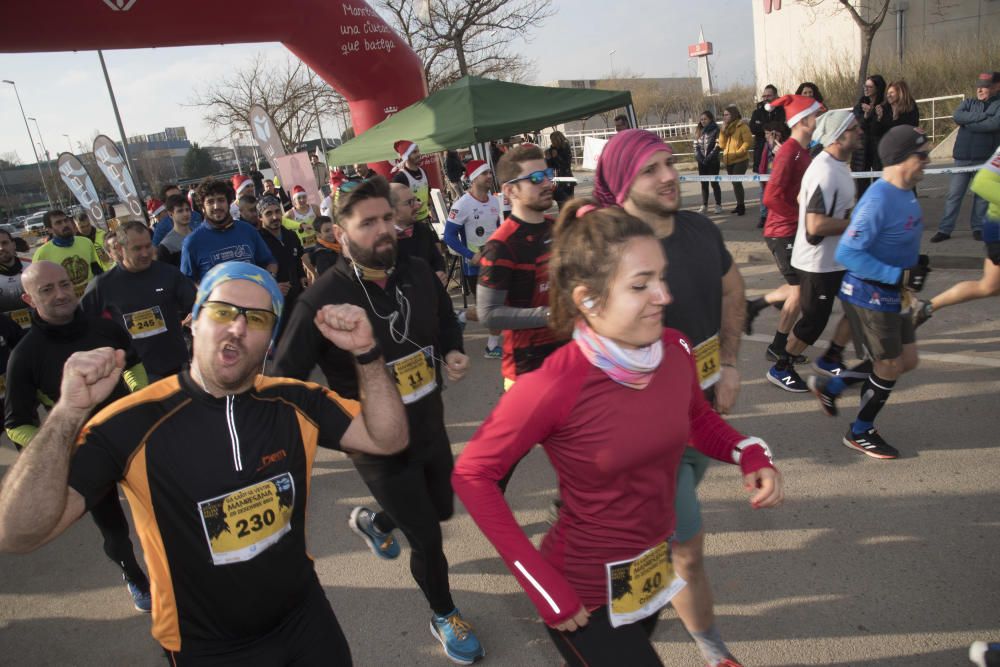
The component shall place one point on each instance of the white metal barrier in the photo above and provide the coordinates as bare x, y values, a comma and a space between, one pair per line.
673, 133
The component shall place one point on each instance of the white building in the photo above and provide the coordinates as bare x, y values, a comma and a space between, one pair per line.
796, 39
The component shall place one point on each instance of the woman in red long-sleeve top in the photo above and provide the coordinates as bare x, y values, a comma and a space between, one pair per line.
613, 411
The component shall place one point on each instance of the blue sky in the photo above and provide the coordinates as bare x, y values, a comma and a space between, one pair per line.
154, 87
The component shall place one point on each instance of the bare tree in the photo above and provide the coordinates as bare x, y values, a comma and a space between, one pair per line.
868, 27
9, 159
456, 38
868, 30
286, 92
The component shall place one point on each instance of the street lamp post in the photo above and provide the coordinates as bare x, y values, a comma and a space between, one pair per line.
69, 142
31, 140
611, 56
48, 162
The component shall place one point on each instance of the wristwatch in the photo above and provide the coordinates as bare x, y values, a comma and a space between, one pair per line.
368, 357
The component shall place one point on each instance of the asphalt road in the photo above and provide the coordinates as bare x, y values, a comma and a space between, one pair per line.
867, 563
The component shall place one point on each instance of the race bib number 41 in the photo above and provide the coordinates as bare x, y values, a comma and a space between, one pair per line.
242, 524
706, 358
640, 587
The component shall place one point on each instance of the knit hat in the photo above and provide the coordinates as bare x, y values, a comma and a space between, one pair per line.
155, 207
796, 107
266, 202
221, 273
620, 162
241, 183
476, 167
831, 125
298, 191
900, 143
404, 148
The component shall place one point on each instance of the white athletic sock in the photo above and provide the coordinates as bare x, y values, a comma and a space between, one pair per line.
492, 341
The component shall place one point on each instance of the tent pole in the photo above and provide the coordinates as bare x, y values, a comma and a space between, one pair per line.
630, 110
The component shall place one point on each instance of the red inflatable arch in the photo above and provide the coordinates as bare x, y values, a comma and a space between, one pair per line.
344, 41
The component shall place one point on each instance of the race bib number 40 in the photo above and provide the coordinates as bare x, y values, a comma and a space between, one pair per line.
640, 587
414, 374
242, 524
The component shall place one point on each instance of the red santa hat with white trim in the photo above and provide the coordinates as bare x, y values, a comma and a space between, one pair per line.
796, 107
155, 207
298, 191
474, 168
404, 148
241, 183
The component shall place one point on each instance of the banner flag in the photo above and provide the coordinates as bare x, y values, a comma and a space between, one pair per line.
113, 166
78, 180
266, 134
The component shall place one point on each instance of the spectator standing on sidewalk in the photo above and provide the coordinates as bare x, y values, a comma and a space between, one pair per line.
706, 152
734, 144
759, 120
904, 108
874, 124
978, 136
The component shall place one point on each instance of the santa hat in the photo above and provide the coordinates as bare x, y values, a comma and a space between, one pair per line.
298, 190
241, 183
796, 107
404, 148
336, 178
155, 207
191, 195
474, 168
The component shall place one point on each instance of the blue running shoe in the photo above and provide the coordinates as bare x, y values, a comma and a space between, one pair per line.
383, 545
787, 379
142, 600
457, 638
493, 352
829, 368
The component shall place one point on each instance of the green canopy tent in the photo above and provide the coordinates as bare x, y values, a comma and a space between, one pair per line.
474, 111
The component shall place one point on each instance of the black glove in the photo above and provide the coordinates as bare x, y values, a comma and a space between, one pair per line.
915, 276
993, 252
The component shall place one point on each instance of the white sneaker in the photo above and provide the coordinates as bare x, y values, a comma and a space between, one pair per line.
703, 209
718, 210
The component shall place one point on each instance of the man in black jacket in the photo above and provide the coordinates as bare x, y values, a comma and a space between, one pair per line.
34, 373
415, 239
287, 250
758, 119
419, 336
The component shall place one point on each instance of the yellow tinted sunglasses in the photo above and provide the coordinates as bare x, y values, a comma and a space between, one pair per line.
224, 313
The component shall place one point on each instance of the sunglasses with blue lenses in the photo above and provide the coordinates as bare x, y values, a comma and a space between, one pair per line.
536, 177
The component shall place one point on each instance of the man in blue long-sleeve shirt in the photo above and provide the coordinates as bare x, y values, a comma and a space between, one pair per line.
222, 239
881, 251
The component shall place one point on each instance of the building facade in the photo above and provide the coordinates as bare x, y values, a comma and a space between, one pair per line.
796, 40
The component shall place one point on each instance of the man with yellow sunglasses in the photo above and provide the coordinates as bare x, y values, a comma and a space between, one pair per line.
215, 462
